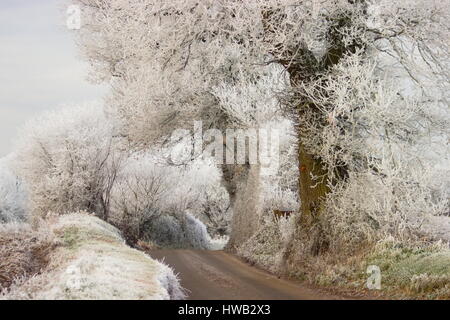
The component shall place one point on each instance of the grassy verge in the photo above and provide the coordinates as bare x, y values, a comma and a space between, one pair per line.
408, 271
91, 261
416, 271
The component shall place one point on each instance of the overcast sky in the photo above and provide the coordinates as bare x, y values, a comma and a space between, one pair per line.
40, 67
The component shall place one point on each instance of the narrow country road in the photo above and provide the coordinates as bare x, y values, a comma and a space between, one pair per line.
217, 275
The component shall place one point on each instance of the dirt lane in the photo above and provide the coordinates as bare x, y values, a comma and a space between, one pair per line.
217, 275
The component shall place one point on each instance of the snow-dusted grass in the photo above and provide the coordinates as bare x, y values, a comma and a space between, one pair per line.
92, 261
418, 270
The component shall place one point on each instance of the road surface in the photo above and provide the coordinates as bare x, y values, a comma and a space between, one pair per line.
217, 275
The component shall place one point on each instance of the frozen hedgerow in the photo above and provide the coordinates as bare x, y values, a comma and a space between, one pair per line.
181, 231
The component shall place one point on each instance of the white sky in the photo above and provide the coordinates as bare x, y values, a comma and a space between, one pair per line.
40, 67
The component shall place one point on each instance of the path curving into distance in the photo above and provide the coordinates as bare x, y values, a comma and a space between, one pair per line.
217, 275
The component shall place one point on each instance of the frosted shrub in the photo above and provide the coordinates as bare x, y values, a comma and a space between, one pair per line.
152, 201
12, 197
68, 162
195, 232
268, 246
373, 145
200, 188
264, 248
391, 206
137, 196
165, 231
180, 231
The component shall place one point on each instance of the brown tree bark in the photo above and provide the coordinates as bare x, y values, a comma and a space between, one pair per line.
313, 181
312, 187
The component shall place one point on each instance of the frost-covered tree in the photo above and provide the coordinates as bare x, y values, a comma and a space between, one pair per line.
167, 59
149, 72
69, 161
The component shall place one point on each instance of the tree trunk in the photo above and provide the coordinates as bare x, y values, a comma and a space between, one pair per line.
243, 185
312, 187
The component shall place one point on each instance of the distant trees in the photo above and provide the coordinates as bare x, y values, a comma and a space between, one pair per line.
138, 194
68, 160
71, 159
365, 81
155, 202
